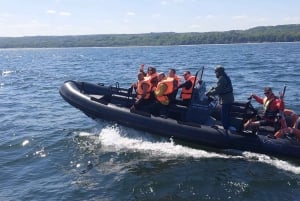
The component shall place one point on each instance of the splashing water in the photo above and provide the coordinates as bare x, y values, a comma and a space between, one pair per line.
112, 139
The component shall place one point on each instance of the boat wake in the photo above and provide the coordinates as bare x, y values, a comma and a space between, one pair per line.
112, 138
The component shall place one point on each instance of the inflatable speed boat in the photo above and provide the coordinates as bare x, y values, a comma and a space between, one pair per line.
198, 123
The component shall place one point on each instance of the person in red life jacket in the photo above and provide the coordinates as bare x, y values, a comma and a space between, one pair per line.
187, 88
162, 91
224, 90
272, 112
176, 82
143, 89
293, 123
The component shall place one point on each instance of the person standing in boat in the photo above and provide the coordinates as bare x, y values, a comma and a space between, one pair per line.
176, 82
187, 88
224, 90
143, 90
273, 114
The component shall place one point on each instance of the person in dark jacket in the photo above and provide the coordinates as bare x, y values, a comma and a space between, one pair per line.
224, 90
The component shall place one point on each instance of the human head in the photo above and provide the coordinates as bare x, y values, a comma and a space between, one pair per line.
268, 91
161, 75
172, 72
151, 70
186, 74
219, 70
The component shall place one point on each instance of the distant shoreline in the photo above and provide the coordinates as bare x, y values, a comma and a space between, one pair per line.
265, 34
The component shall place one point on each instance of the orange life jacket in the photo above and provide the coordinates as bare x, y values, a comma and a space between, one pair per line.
187, 93
164, 99
153, 79
140, 90
294, 131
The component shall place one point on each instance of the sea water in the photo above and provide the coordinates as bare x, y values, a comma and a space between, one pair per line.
52, 151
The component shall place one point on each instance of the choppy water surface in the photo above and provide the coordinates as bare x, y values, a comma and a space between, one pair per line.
51, 151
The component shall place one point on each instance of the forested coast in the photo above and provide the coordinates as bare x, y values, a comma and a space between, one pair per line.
280, 33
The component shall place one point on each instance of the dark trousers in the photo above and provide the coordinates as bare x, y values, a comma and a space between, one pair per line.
157, 109
225, 115
143, 105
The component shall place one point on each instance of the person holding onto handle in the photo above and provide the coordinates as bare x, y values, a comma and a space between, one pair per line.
224, 90
272, 112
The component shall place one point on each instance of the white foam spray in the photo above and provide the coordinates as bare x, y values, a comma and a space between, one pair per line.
112, 139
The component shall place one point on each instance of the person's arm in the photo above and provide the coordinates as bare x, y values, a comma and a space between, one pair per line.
258, 99
142, 69
188, 84
218, 89
145, 87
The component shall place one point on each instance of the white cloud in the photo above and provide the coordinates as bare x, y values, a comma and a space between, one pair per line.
126, 21
130, 14
262, 19
51, 12
155, 15
292, 19
210, 16
239, 17
163, 3
107, 21
63, 13
195, 26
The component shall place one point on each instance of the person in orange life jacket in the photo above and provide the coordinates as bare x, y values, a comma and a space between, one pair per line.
187, 88
162, 91
273, 109
143, 89
153, 76
151, 73
224, 90
293, 123
172, 74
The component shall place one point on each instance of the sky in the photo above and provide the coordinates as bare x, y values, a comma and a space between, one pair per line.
84, 17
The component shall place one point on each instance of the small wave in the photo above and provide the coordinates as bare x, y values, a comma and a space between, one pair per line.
7, 72
275, 162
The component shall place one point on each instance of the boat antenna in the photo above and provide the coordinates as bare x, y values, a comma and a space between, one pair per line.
282, 93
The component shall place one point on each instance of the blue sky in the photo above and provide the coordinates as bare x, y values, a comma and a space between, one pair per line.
78, 17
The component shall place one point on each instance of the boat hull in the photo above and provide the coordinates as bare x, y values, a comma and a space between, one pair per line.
112, 104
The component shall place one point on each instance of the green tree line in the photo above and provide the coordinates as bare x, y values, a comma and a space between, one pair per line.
280, 33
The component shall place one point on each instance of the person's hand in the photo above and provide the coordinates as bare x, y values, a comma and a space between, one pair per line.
250, 97
142, 67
